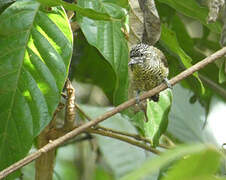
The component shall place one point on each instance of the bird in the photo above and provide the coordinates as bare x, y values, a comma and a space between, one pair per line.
149, 68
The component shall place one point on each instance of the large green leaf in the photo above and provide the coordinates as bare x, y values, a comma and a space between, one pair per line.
164, 159
35, 51
88, 12
109, 39
192, 9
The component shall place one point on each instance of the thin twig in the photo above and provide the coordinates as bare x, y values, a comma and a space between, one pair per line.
110, 113
127, 134
104, 128
135, 136
216, 87
123, 133
83, 113
125, 139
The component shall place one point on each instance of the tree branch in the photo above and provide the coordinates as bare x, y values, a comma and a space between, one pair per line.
125, 139
53, 144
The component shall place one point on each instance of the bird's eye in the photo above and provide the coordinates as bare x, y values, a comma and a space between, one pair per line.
132, 56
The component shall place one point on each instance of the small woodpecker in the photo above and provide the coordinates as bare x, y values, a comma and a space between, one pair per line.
148, 67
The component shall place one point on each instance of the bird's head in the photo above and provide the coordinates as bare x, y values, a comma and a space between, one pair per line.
138, 55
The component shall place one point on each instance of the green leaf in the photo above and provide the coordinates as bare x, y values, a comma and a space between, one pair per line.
122, 3
192, 9
113, 11
183, 37
153, 165
108, 38
205, 163
169, 41
4, 4
87, 56
165, 12
35, 51
102, 174
170, 17
158, 116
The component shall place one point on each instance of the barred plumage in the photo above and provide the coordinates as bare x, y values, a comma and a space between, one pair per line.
148, 66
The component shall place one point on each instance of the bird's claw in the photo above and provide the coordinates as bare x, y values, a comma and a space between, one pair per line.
168, 83
137, 98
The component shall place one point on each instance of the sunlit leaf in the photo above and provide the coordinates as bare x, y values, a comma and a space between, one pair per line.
113, 11
35, 51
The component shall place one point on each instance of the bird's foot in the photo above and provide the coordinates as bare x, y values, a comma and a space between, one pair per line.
167, 83
137, 97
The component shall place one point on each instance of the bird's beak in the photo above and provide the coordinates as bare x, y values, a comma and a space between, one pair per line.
132, 62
